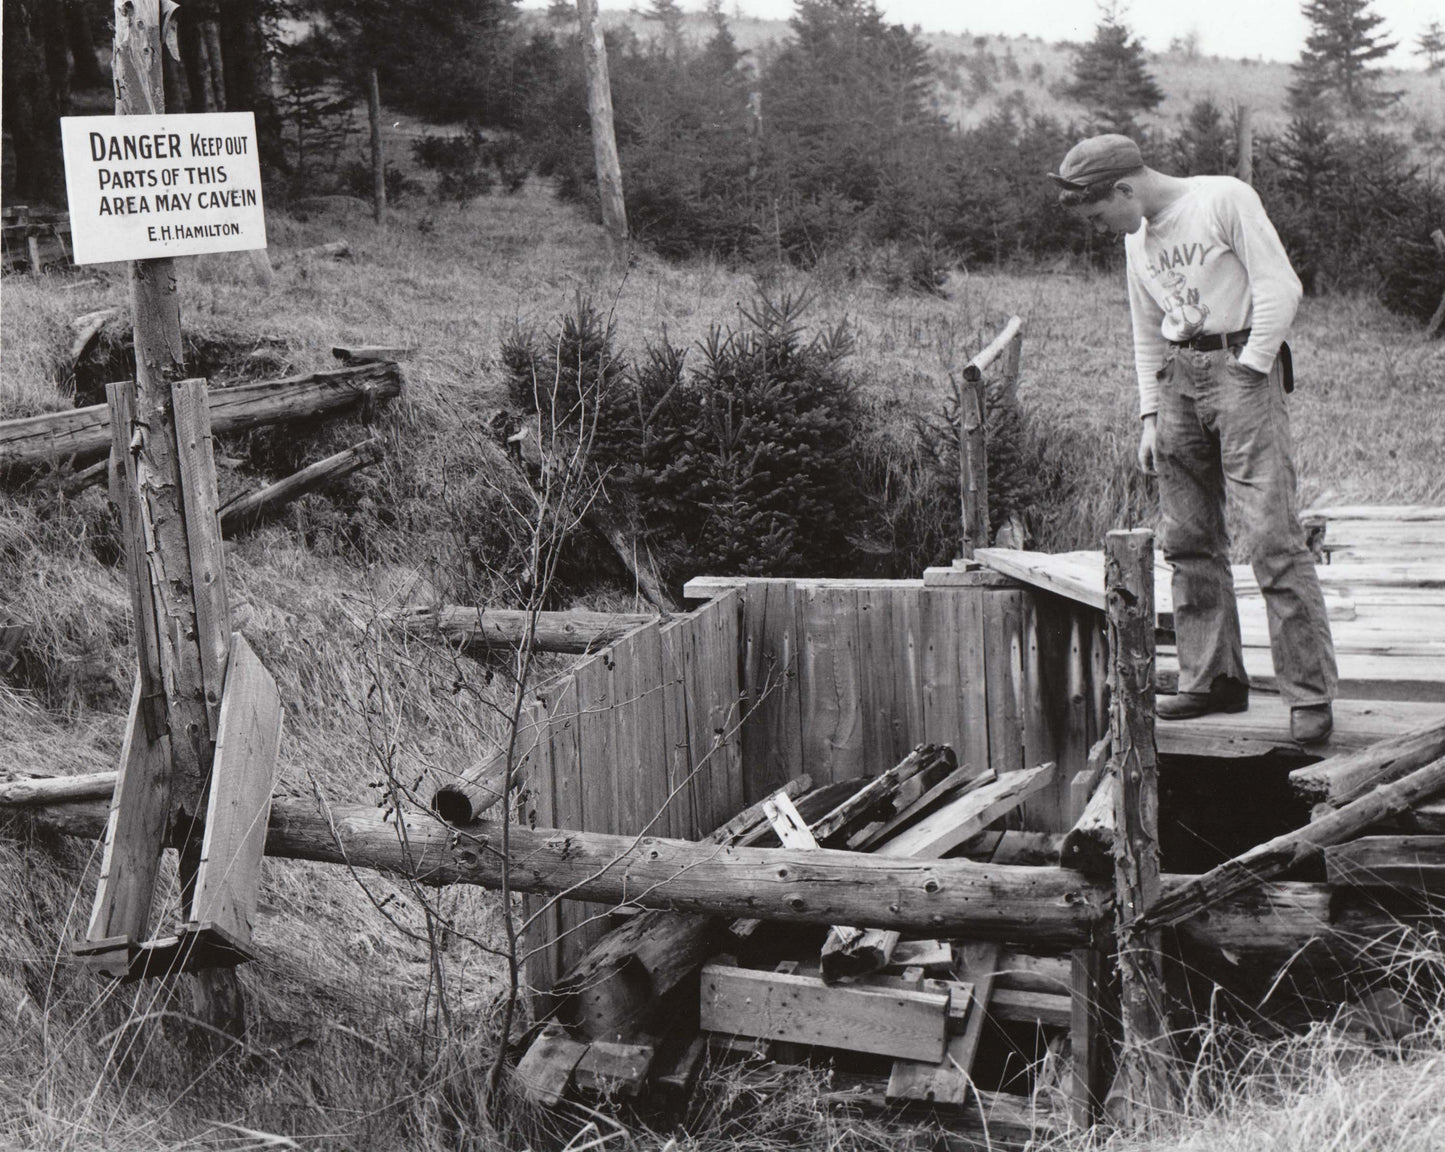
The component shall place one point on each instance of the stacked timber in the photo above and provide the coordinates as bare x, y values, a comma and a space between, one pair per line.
900, 1015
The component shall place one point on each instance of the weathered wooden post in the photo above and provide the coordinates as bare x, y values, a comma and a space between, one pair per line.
973, 456
1244, 144
1144, 1085
973, 431
378, 154
186, 706
1437, 237
604, 137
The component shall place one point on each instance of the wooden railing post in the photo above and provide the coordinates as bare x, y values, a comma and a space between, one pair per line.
973, 457
973, 430
1244, 144
1144, 1084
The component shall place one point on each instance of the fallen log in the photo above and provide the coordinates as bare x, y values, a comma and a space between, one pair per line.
473, 630
1283, 852
331, 250
1408, 863
363, 353
1341, 779
24, 791
243, 511
1041, 906
82, 435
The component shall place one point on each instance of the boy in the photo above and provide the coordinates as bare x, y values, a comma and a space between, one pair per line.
1212, 296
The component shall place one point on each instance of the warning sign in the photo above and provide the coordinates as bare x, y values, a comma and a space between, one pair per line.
141, 187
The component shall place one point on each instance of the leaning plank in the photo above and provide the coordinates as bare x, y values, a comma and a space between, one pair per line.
925, 760
474, 630
964, 818
1089, 844
243, 511
965, 777
1341, 779
1409, 863
82, 435
1283, 852
802, 1009
228, 882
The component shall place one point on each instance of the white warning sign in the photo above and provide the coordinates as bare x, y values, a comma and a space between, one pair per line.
142, 187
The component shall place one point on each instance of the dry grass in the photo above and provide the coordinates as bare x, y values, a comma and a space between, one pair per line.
364, 1034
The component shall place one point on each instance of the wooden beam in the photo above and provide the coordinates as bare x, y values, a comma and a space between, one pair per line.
926, 761
965, 777
82, 435
1407, 863
1089, 844
802, 1009
475, 630
1044, 907
1293, 848
545, 1071
243, 511
1145, 1084
22, 791
973, 463
949, 1081
1341, 779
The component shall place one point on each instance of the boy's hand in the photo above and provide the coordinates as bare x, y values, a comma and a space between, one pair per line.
1146, 445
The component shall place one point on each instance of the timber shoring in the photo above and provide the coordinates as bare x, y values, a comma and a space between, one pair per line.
82, 435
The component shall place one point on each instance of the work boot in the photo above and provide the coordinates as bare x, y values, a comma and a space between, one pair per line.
1224, 695
1311, 723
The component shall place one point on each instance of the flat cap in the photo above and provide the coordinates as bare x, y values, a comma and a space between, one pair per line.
1099, 158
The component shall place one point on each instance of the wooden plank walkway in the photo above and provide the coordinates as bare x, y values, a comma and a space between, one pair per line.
1384, 584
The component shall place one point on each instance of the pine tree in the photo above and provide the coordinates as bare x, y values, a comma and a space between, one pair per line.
1110, 77
1336, 61
1431, 45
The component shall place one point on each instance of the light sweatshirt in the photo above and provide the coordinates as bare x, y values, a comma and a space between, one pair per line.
1210, 262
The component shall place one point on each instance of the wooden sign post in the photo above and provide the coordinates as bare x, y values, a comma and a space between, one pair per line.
204, 725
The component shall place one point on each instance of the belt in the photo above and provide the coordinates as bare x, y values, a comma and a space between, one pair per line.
1214, 341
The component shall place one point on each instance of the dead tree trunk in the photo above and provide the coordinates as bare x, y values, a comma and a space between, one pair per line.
378, 154
604, 137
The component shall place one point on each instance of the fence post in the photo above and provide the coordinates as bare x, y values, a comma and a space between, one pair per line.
1244, 144
1144, 1086
973, 455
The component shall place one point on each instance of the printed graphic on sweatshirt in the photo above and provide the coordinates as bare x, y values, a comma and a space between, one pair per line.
1179, 299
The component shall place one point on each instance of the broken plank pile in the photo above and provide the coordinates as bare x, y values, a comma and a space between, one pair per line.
902, 1016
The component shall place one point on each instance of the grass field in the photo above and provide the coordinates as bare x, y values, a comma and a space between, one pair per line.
373, 1020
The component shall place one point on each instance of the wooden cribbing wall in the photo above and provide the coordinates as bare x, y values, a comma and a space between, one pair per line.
679, 724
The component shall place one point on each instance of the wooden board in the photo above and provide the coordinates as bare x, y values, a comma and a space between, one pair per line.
542, 914
890, 642
610, 1068
964, 818
829, 685
575, 933
1362, 677
1003, 658
644, 730
243, 773
955, 780
711, 655
804, 1010
1408, 863
949, 1081
200, 502
955, 709
545, 1071
134, 835
674, 638
772, 750
1265, 728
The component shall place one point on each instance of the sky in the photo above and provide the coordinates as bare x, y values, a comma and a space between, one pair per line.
1271, 29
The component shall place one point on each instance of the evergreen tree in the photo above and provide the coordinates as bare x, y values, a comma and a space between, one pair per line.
1431, 45
1337, 60
1110, 77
